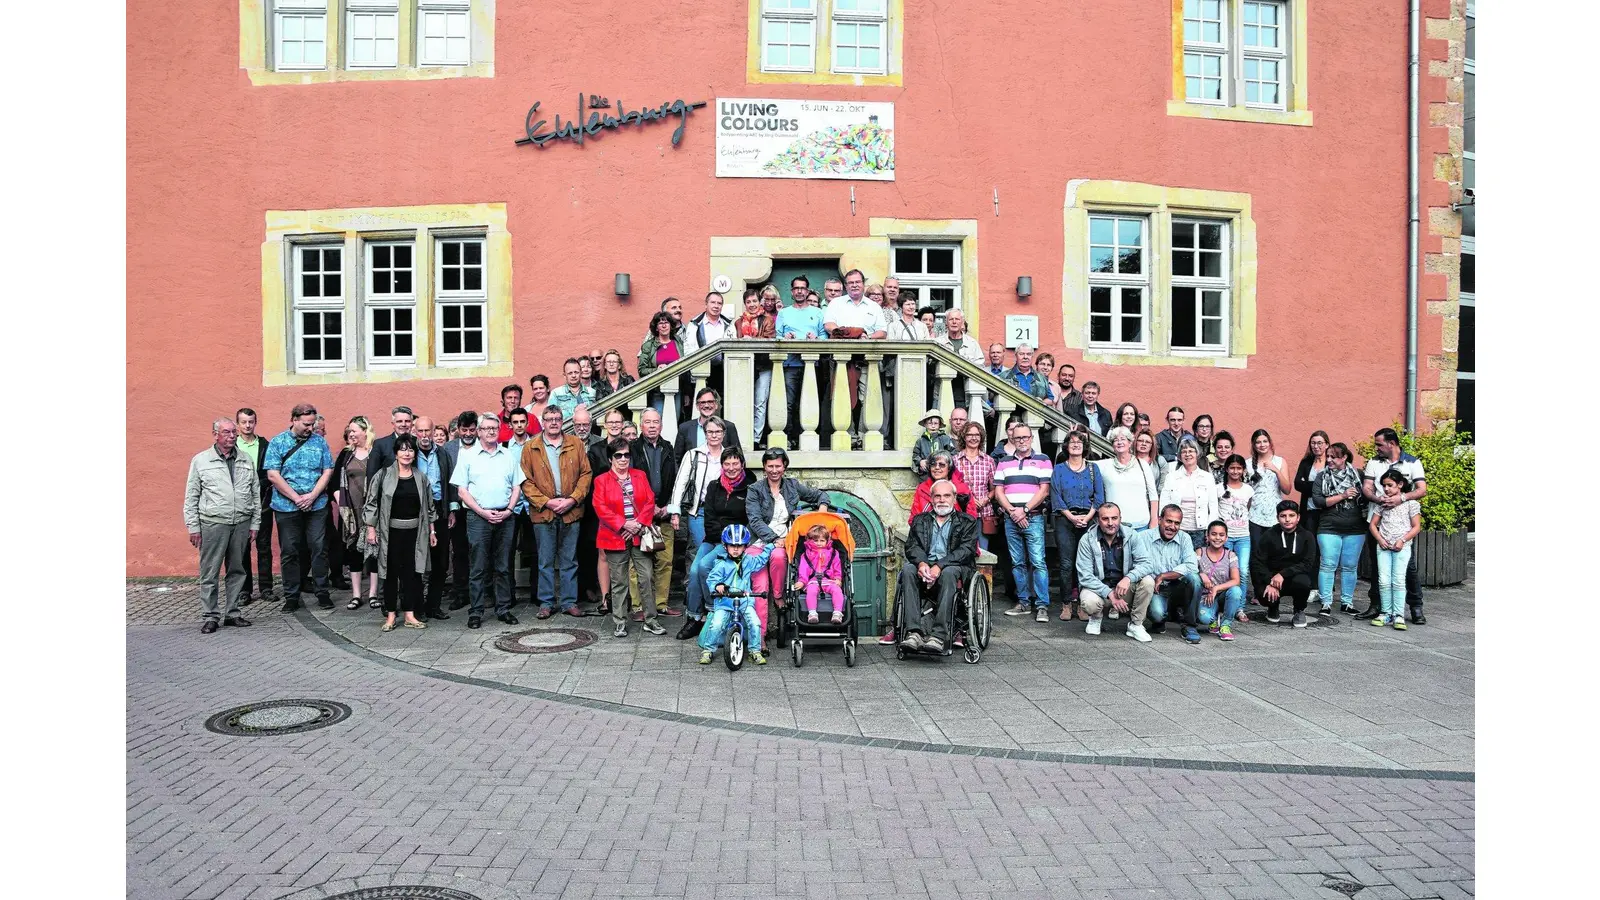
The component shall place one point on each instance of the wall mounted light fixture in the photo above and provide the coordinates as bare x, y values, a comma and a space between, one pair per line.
1024, 286
624, 284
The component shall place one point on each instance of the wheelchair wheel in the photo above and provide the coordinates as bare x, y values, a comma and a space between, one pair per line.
797, 653
899, 652
733, 654
850, 654
978, 612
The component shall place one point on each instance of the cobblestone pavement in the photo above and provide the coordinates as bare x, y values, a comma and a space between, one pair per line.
503, 795
1344, 695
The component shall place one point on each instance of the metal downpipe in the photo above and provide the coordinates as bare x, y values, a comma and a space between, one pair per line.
1413, 225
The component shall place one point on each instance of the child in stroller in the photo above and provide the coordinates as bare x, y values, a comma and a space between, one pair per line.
821, 570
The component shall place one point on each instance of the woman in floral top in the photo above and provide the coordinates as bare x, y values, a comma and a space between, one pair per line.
977, 467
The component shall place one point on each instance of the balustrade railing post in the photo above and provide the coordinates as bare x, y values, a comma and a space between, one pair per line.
669, 407
840, 439
976, 396
738, 383
947, 377
872, 409
911, 397
810, 409
778, 406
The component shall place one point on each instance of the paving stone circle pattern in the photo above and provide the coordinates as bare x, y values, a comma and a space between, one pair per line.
545, 640
275, 717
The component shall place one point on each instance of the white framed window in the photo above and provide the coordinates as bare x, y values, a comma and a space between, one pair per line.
444, 32
300, 34
372, 34
1205, 51
788, 35
860, 29
931, 273
319, 307
1119, 282
1263, 47
390, 303
1200, 286
461, 295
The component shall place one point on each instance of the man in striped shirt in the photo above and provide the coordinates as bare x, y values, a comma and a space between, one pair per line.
1021, 489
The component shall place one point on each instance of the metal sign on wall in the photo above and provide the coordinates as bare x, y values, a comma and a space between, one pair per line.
805, 139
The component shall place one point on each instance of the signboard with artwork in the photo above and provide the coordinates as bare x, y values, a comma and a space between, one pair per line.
805, 139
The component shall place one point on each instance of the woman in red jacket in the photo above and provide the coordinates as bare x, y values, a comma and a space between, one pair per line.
940, 468
625, 507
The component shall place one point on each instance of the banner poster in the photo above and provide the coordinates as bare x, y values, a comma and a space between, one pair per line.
805, 139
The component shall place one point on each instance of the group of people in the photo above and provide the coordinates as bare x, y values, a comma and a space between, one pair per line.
603, 510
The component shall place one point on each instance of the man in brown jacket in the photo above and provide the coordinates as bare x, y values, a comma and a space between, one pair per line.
556, 479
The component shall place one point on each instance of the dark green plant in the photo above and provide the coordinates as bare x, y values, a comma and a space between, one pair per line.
1450, 462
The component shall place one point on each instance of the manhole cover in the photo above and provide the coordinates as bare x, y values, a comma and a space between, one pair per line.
405, 892
277, 717
545, 640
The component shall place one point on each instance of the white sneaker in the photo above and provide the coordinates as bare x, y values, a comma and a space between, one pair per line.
1138, 633
1093, 627
1113, 614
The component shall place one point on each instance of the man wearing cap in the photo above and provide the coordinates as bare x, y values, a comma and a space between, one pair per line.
932, 440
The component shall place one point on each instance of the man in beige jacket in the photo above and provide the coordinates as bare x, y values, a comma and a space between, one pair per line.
222, 510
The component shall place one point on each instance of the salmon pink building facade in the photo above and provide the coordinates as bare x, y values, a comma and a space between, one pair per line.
362, 203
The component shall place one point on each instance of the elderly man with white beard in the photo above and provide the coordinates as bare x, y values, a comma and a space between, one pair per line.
939, 556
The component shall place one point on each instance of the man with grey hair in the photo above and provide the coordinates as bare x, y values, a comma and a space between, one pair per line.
1028, 379
222, 510
382, 455
958, 341
489, 486
299, 465
940, 553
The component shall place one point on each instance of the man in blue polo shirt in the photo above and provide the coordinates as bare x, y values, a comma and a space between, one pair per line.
489, 485
1021, 489
299, 466
799, 322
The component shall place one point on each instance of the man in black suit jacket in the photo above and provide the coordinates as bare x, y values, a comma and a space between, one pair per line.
653, 456
938, 570
706, 404
428, 451
382, 455
1080, 410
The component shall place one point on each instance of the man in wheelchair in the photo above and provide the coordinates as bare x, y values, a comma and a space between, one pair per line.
940, 554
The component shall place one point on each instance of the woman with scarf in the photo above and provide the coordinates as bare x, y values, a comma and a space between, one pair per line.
1341, 528
756, 324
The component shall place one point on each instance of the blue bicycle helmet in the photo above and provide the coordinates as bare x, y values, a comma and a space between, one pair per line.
736, 535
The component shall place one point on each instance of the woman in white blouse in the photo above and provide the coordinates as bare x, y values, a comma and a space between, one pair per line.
1191, 489
1129, 482
907, 327
1270, 478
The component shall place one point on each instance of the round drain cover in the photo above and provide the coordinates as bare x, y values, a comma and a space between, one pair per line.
271, 717
545, 640
405, 892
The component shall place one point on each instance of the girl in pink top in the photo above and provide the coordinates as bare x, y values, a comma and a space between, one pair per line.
821, 569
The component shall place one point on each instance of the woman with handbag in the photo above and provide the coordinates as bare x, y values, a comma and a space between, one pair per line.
625, 507
399, 516
352, 500
696, 471
725, 502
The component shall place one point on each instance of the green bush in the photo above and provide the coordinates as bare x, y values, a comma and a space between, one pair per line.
1450, 463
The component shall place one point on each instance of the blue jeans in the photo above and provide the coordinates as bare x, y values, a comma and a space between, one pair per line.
558, 562
1232, 602
490, 551
696, 591
1241, 548
1339, 555
1027, 553
1392, 579
723, 615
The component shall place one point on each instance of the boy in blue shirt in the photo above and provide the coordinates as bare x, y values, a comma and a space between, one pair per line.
731, 570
